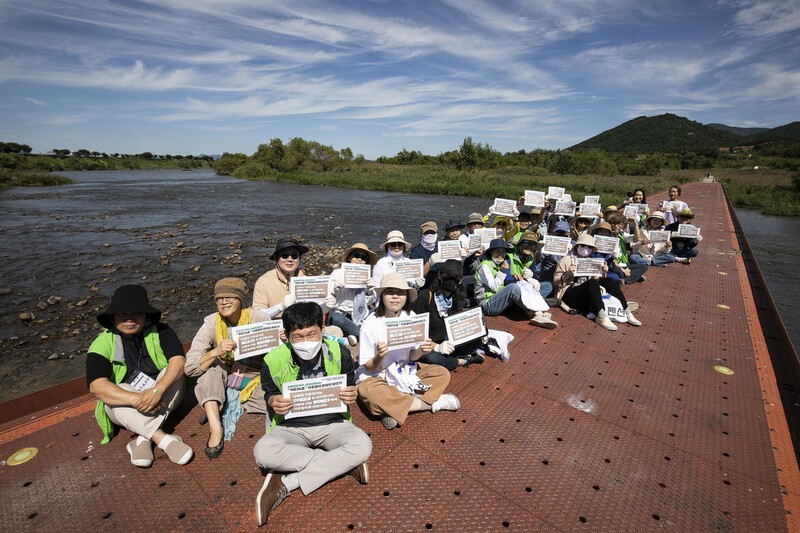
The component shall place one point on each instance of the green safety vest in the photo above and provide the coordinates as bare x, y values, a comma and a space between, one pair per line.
482, 292
109, 345
282, 369
623, 256
517, 264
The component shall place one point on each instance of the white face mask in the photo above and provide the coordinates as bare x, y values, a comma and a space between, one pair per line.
430, 238
396, 255
584, 251
306, 350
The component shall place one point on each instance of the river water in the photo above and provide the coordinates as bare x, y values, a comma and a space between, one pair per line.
177, 232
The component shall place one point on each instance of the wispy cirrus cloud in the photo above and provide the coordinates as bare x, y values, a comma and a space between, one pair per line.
36, 102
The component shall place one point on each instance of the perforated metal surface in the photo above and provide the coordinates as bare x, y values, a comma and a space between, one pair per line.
583, 429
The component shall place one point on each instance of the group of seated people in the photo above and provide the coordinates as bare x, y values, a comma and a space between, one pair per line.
136, 367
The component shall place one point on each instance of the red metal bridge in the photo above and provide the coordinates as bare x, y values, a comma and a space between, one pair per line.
678, 425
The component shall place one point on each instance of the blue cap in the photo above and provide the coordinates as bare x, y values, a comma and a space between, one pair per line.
561, 225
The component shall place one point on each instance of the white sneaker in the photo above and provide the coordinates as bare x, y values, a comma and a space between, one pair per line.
446, 402
632, 320
605, 323
544, 322
141, 451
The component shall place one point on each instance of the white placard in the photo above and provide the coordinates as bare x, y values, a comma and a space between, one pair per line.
487, 236
309, 288
409, 268
256, 339
534, 198
465, 326
591, 199
688, 231
450, 250
588, 266
565, 208
555, 193
606, 245
406, 331
474, 242
658, 236
641, 209
356, 275
505, 207
591, 210
667, 205
556, 245
315, 396
630, 211
566, 197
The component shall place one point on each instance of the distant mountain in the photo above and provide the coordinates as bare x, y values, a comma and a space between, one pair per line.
668, 132
788, 133
744, 132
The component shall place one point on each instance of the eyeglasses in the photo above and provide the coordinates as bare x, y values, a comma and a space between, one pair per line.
395, 245
219, 300
360, 255
527, 243
286, 255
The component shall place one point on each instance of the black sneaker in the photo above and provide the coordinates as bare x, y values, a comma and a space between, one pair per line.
490, 345
475, 358
553, 301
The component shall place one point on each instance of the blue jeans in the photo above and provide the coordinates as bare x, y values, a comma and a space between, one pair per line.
663, 259
348, 326
545, 288
503, 299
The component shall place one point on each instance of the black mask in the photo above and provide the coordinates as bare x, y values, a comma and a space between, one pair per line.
449, 285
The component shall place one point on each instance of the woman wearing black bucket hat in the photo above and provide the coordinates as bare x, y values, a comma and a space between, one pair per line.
135, 369
271, 292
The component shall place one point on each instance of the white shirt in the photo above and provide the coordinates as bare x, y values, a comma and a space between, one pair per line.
373, 331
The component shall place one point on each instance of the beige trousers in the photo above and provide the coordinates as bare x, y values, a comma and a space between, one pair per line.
382, 399
145, 424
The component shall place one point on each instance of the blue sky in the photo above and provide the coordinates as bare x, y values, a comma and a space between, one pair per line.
200, 76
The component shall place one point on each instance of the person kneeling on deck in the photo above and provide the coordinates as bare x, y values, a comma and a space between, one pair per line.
135, 368
496, 288
308, 450
219, 378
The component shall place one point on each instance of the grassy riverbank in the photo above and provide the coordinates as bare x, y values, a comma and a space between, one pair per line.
31, 179
770, 190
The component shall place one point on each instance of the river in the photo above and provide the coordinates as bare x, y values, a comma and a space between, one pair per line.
177, 232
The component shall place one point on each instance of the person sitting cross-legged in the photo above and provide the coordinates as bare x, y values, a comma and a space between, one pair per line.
306, 452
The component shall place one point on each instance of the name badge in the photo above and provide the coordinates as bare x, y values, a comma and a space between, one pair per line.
142, 381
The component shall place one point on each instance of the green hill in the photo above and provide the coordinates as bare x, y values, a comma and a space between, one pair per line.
788, 133
668, 133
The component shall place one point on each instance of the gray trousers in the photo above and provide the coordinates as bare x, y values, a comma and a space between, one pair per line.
317, 453
142, 423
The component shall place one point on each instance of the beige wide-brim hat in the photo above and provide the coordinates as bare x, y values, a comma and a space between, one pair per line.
396, 281
373, 258
396, 236
600, 225
586, 240
655, 214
